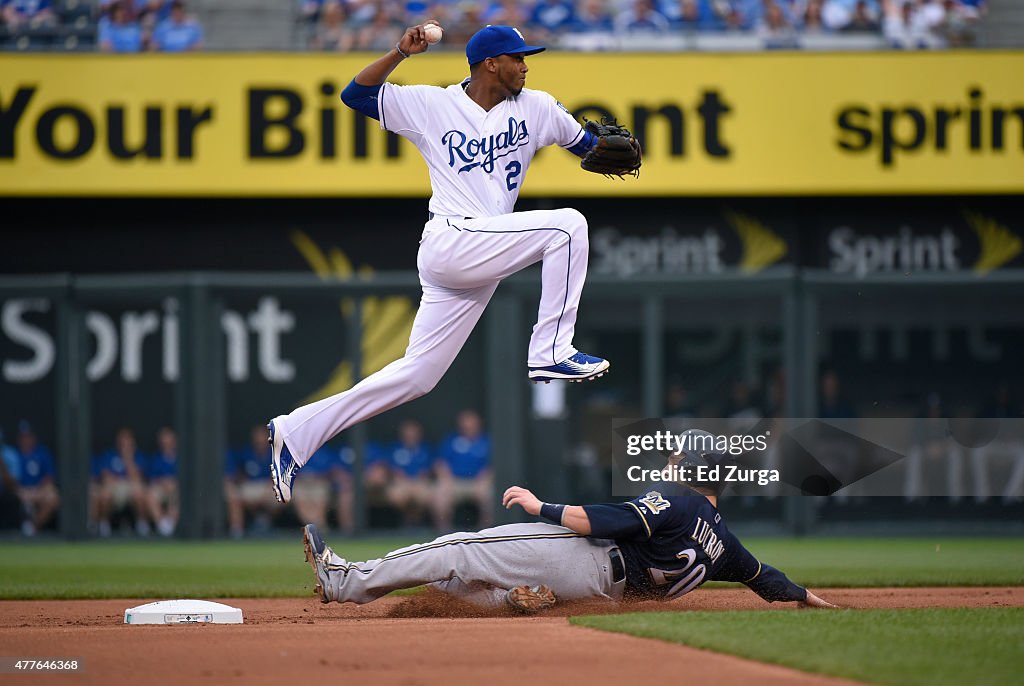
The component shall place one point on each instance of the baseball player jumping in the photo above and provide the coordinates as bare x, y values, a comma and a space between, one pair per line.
655, 547
478, 139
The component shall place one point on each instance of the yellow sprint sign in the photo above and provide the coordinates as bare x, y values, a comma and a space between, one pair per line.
762, 124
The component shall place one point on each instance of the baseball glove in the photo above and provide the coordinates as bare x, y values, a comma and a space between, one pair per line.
617, 153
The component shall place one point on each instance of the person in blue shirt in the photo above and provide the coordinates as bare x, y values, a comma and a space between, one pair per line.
551, 17
245, 485
21, 14
378, 474
119, 32
411, 462
643, 18
119, 478
464, 471
162, 472
179, 32
592, 16
37, 480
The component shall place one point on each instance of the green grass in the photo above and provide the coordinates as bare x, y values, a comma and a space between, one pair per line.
163, 569
899, 647
167, 569
866, 562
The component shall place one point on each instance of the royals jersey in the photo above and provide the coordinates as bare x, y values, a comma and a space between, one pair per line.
477, 158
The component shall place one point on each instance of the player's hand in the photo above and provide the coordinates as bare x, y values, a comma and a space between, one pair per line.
414, 42
814, 601
523, 498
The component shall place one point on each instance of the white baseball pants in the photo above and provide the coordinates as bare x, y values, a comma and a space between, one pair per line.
460, 262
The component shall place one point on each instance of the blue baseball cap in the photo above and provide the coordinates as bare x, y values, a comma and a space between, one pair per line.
492, 41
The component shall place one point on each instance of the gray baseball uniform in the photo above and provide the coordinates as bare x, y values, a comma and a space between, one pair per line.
480, 566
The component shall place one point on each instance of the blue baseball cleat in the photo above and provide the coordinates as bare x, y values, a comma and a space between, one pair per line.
282, 466
318, 555
579, 367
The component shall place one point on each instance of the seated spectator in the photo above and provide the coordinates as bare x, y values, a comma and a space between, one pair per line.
550, 18
463, 20
119, 32
310, 10
332, 33
247, 489
162, 472
10, 506
931, 13
149, 13
811, 20
118, 476
376, 470
410, 491
506, 13
19, 15
311, 491
464, 472
38, 481
642, 18
837, 15
178, 33
900, 27
383, 31
958, 26
361, 12
592, 16
729, 14
864, 20
689, 15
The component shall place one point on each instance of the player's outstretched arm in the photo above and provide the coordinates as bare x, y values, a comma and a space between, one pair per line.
413, 42
572, 516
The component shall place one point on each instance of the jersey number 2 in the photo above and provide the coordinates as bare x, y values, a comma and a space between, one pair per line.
513, 168
684, 580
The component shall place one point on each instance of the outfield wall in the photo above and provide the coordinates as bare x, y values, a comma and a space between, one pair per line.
272, 125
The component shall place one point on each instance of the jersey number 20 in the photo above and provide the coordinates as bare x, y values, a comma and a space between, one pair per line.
513, 168
684, 580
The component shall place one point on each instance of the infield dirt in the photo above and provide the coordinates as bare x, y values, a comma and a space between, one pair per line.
422, 639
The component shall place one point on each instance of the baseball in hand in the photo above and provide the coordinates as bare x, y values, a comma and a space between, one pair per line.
432, 32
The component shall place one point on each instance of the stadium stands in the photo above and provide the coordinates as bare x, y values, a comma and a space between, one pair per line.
589, 25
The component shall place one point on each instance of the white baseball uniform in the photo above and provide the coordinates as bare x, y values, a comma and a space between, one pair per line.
477, 161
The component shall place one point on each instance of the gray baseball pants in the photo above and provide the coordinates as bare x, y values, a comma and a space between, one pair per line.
480, 566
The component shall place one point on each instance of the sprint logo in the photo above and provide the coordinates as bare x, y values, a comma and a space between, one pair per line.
387, 321
997, 244
760, 246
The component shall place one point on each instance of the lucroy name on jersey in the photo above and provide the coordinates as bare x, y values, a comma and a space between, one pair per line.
706, 538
